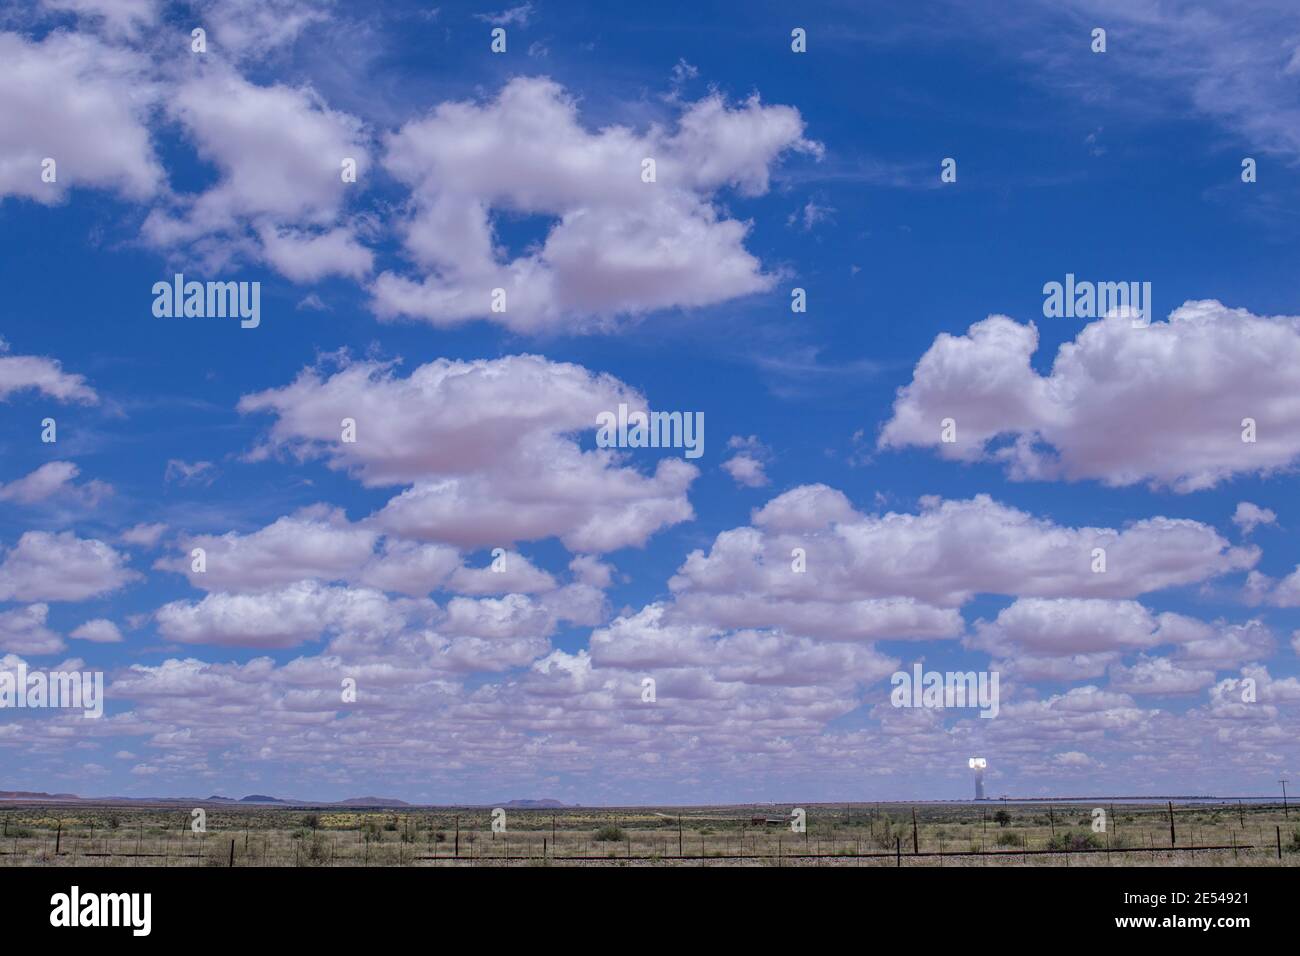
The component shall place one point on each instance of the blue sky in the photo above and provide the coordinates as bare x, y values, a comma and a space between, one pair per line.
776, 170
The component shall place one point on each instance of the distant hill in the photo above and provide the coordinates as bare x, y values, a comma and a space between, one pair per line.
35, 795
372, 802
369, 802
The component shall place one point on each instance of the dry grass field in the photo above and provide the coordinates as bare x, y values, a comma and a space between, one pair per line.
841, 835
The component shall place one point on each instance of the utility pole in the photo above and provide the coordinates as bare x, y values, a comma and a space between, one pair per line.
1286, 812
